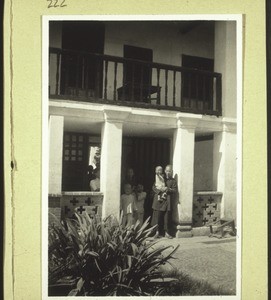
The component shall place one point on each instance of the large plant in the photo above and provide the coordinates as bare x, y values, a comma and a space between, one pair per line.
105, 258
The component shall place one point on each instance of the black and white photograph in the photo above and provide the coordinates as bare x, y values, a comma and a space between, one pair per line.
142, 138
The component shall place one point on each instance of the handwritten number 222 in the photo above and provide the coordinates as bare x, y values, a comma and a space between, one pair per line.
56, 5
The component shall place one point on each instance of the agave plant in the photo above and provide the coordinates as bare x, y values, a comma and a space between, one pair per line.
105, 258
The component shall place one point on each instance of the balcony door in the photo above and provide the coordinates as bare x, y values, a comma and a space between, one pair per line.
197, 88
137, 77
81, 74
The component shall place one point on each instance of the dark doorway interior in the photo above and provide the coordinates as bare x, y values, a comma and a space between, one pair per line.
143, 155
138, 53
76, 156
197, 86
82, 72
137, 77
196, 62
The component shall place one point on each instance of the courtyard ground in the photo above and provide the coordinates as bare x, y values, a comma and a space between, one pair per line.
206, 259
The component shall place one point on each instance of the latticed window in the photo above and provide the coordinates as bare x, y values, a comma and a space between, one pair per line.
80, 150
73, 147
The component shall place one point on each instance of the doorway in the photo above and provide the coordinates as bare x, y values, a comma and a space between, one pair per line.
197, 89
82, 73
137, 76
143, 154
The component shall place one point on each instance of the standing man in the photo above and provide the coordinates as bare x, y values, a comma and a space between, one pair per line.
162, 209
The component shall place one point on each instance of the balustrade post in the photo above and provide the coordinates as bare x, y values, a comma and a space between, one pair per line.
105, 79
219, 94
166, 87
174, 88
124, 80
67, 73
158, 85
77, 75
133, 83
87, 75
57, 73
141, 83
115, 80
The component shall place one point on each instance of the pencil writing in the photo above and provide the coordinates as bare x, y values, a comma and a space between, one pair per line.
54, 3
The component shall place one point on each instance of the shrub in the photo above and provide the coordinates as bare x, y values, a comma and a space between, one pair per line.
104, 258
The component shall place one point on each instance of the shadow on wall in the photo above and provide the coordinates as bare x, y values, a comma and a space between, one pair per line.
216, 166
174, 211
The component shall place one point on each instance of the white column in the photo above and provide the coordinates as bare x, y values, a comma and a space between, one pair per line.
56, 128
111, 161
183, 166
224, 170
225, 63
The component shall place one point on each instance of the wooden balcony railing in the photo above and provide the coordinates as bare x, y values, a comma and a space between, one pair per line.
109, 79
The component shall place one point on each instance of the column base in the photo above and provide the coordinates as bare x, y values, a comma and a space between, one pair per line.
184, 231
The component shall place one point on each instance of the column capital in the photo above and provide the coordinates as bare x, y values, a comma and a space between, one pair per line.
116, 115
187, 122
229, 125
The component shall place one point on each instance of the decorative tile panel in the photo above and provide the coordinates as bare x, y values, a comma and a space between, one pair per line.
65, 205
206, 208
81, 204
54, 201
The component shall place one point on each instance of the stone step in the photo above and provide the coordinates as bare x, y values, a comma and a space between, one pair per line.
184, 234
184, 227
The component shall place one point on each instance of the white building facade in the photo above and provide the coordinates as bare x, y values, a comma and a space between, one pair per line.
152, 93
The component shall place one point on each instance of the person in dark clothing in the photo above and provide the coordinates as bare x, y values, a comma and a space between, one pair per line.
161, 209
130, 179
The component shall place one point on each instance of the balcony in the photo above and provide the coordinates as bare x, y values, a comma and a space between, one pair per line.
106, 79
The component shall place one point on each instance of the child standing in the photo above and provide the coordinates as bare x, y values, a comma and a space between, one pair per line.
160, 183
128, 205
141, 196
